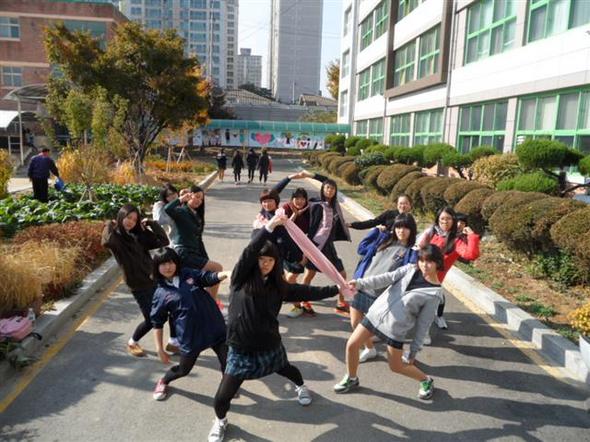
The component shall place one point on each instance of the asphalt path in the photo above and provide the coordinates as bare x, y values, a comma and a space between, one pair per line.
486, 388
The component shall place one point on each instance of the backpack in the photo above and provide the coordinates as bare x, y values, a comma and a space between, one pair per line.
15, 328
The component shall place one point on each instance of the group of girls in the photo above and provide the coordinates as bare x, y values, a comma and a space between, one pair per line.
253, 161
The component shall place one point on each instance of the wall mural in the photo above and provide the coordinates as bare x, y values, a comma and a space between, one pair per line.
246, 138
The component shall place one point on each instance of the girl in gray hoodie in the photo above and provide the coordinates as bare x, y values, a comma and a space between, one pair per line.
410, 301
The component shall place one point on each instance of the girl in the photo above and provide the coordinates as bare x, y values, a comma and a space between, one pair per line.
381, 252
237, 163
130, 239
263, 166
255, 348
167, 194
221, 159
411, 300
199, 323
188, 212
251, 161
454, 245
404, 205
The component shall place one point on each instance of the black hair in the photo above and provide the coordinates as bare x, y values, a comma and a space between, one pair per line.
461, 217
402, 220
406, 196
237, 153
300, 192
166, 190
329, 182
161, 256
271, 194
253, 282
452, 235
433, 254
201, 209
125, 211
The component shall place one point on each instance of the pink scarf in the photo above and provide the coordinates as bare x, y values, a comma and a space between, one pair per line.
318, 259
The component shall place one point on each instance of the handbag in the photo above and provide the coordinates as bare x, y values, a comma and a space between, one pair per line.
15, 328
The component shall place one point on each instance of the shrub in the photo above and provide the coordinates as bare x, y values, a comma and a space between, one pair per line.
567, 231
436, 152
413, 190
338, 169
410, 155
530, 182
432, 193
336, 162
336, 143
471, 205
20, 284
456, 191
391, 175
350, 174
370, 159
390, 153
546, 154
482, 151
559, 267
354, 151
327, 156
5, 172
492, 169
85, 166
124, 173
496, 200
364, 143
351, 141
370, 177
580, 319
584, 166
377, 148
401, 186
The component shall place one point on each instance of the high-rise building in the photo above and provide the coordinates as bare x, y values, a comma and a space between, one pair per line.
295, 48
249, 68
209, 27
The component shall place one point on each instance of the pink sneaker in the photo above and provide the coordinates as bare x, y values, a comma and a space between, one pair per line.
161, 390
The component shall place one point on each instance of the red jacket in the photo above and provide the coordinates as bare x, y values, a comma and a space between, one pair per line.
466, 247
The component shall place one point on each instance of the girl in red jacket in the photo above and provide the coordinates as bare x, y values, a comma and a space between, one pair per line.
453, 244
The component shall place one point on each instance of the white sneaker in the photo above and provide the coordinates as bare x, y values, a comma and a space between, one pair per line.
303, 395
295, 312
427, 340
367, 354
217, 430
440, 322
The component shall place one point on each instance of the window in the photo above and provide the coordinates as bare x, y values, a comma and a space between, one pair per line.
343, 103
399, 130
153, 24
378, 78
345, 64
367, 32
429, 53
562, 116
198, 15
404, 64
346, 26
550, 17
361, 128
381, 16
406, 6
491, 28
153, 13
12, 76
428, 127
376, 129
136, 11
482, 125
96, 29
364, 83
153, 3
198, 4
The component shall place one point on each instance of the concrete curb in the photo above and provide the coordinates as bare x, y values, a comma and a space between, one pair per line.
556, 349
208, 181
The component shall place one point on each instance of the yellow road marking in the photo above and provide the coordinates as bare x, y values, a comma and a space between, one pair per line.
31, 372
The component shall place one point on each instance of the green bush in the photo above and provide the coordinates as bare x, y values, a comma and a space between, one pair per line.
401, 186
410, 155
336, 162
365, 143
370, 159
471, 205
482, 151
391, 175
530, 182
584, 166
5, 172
560, 267
326, 157
336, 143
497, 199
546, 154
338, 169
381, 148
456, 191
351, 141
390, 153
492, 169
432, 193
414, 188
436, 152
370, 177
354, 151
571, 234
350, 173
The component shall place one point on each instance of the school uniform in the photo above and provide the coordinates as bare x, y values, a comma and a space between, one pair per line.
189, 234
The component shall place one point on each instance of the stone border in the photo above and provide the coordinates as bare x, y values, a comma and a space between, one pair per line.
556, 349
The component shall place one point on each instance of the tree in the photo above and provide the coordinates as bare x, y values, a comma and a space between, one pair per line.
217, 107
319, 117
462, 161
333, 72
147, 81
262, 91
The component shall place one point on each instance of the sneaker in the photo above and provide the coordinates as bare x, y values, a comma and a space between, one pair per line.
406, 357
343, 308
135, 350
308, 309
172, 348
217, 430
303, 395
346, 384
440, 322
427, 339
161, 390
367, 354
295, 312
426, 389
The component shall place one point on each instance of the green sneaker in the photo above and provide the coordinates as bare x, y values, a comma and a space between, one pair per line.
426, 389
346, 384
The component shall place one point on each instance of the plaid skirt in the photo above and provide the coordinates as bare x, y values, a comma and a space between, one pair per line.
362, 302
255, 365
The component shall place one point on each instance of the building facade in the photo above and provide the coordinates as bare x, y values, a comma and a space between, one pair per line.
295, 48
209, 27
466, 72
249, 68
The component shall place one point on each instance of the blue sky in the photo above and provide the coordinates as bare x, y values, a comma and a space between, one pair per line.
254, 24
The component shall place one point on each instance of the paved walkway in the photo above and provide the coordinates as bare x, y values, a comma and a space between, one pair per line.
485, 387
19, 185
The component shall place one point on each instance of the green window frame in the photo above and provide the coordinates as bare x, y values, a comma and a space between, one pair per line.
405, 64
405, 7
550, 17
361, 128
381, 15
364, 84
9, 27
376, 129
378, 78
366, 32
482, 124
491, 29
562, 115
399, 133
429, 53
428, 127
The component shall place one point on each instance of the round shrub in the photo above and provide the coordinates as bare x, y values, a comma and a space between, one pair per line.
530, 182
338, 168
391, 175
326, 157
370, 159
482, 151
336, 143
401, 186
370, 178
432, 193
568, 231
492, 169
413, 190
471, 205
496, 200
436, 152
354, 151
336, 162
5, 172
456, 191
364, 143
584, 166
376, 148
351, 141
546, 154
390, 153
350, 173
409, 155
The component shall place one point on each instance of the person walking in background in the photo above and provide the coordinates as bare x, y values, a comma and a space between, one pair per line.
221, 159
251, 161
237, 163
40, 167
130, 239
263, 166
167, 193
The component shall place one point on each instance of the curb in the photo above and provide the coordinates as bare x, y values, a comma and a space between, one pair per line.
556, 349
206, 183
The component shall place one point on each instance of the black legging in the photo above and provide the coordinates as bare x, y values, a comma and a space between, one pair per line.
186, 363
251, 172
237, 175
263, 174
230, 385
144, 300
441, 308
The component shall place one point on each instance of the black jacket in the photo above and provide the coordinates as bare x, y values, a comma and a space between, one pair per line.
40, 166
237, 163
252, 160
385, 219
189, 228
252, 322
263, 163
132, 252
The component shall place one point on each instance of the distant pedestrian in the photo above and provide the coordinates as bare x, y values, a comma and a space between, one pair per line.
40, 167
237, 163
221, 159
251, 161
263, 166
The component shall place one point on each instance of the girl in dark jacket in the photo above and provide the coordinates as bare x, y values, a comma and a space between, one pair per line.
258, 290
251, 161
237, 163
130, 239
198, 322
221, 159
263, 166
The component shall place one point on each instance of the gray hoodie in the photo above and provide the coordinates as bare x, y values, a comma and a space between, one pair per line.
398, 311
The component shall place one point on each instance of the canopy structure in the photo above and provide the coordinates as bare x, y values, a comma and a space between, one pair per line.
313, 128
6, 118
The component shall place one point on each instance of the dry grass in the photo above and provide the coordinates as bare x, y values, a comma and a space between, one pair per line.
124, 173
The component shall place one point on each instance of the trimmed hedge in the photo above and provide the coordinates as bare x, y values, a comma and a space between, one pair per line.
571, 233
496, 200
376, 148
351, 141
370, 177
334, 164
391, 175
327, 156
455, 192
471, 205
350, 173
401, 186
436, 152
413, 190
409, 155
531, 182
371, 159
432, 193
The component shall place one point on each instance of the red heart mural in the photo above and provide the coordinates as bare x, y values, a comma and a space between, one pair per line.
263, 138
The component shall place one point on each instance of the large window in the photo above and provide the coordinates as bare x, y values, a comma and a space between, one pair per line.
399, 130
361, 128
429, 53
381, 18
549, 17
405, 63
562, 116
346, 26
428, 127
345, 64
376, 129
364, 84
343, 103
378, 78
375, 24
491, 28
406, 6
12, 76
367, 31
427, 58
482, 125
